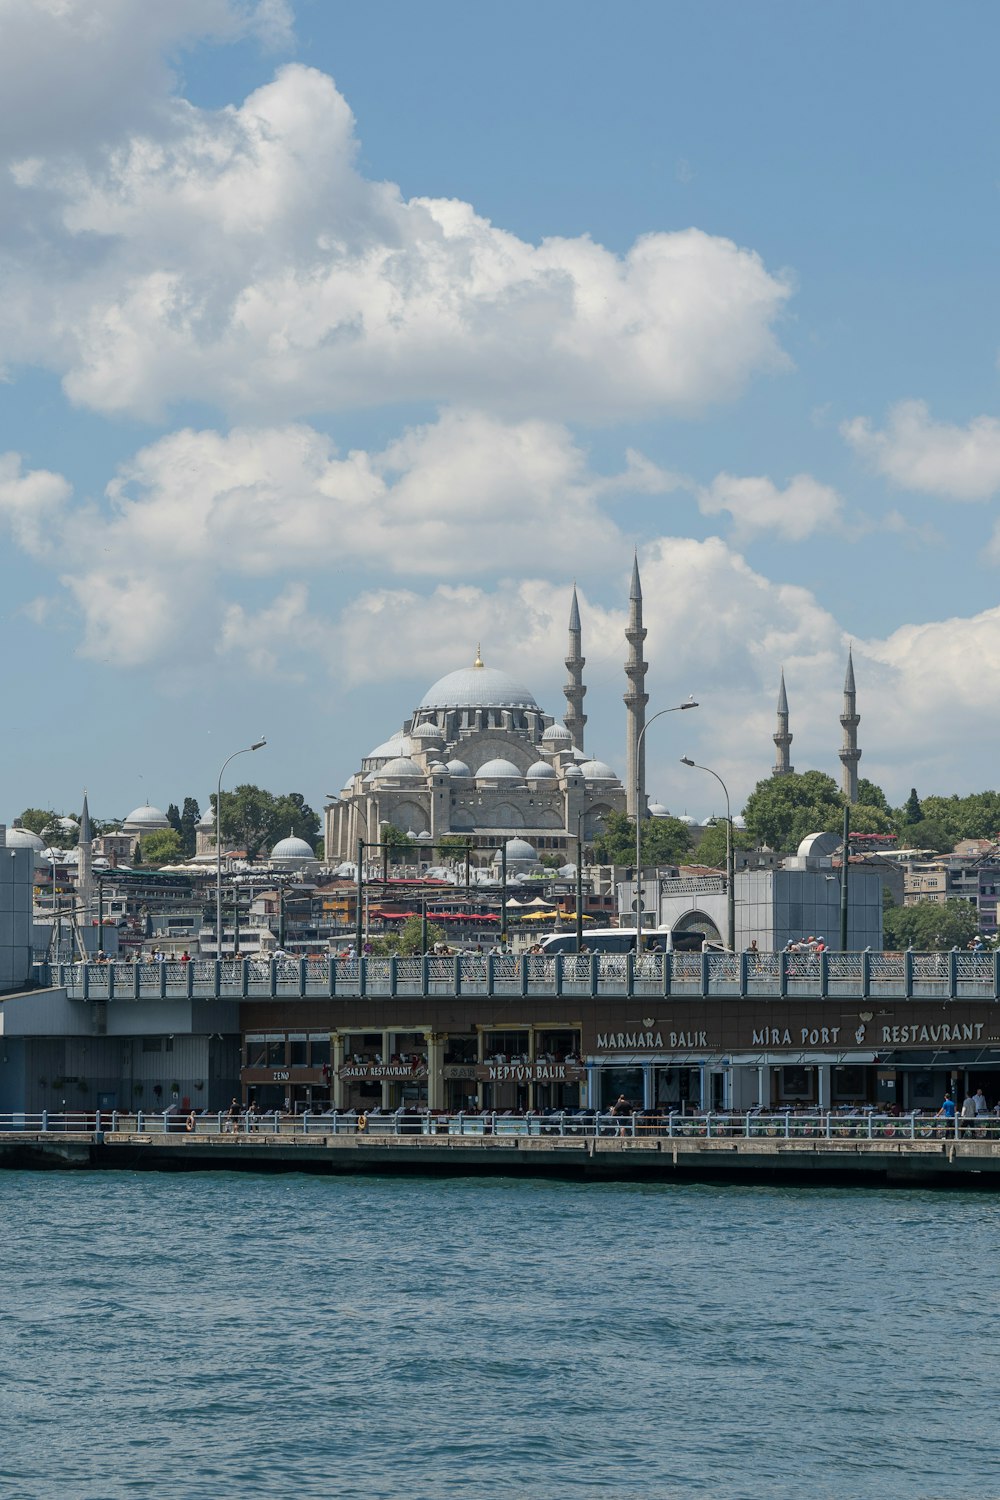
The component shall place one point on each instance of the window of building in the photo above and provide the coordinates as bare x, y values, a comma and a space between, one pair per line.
152, 1044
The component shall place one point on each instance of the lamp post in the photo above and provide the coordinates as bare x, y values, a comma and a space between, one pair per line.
579, 878
636, 779
258, 745
730, 860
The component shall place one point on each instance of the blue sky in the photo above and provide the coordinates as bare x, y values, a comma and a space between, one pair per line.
338, 337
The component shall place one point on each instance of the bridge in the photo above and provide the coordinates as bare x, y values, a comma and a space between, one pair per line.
765, 976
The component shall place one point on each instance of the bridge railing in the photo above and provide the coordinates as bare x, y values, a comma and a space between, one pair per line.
249, 1125
955, 975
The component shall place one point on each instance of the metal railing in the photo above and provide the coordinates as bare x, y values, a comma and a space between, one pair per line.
830, 1125
937, 976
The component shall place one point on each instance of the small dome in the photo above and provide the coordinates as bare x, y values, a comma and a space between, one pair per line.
498, 770
23, 838
401, 766
557, 734
457, 768
438, 768
596, 770
657, 810
540, 771
398, 745
687, 818
739, 821
292, 848
146, 818
207, 819
424, 837
426, 732
518, 850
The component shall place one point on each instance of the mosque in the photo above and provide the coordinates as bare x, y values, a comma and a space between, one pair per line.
479, 760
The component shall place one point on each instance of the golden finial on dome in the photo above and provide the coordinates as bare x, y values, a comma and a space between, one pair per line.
479, 658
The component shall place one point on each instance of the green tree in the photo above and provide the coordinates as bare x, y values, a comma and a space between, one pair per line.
453, 843
782, 810
37, 819
929, 833
911, 811
411, 933
189, 824
162, 847
174, 818
398, 843
664, 841
930, 926
711, 847
247, 818
870, 795
293, 813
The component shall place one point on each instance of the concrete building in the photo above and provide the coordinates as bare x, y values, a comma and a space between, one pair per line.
773, 906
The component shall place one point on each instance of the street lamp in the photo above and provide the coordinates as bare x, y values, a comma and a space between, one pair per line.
258, 745
579, 877
730, 861
636, 783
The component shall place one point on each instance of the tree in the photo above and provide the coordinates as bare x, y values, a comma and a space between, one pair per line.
930, 926
911, 811
870, 795
453, 843
711, 847
162, 847
664, 841
293, 814
397, 843
782, 810
929, 833
189, 824
247, 818
174, 818
37, 819
411, 934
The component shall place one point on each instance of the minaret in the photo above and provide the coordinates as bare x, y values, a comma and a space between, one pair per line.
574, 690
783, 739
84, 868
635, 702
850, 719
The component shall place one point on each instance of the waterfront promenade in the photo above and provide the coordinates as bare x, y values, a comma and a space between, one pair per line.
868, 975
859, 1148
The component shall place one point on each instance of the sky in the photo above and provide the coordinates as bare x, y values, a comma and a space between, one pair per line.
339, 338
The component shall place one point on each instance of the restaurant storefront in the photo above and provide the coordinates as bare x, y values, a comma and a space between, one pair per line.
690, 1054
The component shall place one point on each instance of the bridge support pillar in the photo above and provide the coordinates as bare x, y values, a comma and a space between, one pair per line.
336, 1063
435, 1069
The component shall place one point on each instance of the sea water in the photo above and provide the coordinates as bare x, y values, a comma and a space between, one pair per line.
238, 1336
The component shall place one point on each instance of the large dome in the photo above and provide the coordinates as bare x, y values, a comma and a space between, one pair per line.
23, 838
477, 687
147, 817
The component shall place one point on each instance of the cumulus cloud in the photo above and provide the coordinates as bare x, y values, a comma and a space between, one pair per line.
757, 504
935, 458
239, 257
196, 511
74, 72
32, 504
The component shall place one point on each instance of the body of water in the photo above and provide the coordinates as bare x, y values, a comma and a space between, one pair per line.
278, 1336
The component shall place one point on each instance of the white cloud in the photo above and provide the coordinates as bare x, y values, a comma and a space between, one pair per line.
74, 72
757, 504
195, 512
935, 458
239, 257
32, 503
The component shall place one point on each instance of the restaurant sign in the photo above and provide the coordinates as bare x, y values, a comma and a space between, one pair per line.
538, 1072
376, 1072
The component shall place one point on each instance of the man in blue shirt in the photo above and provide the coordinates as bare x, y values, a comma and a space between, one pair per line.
947, 1110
